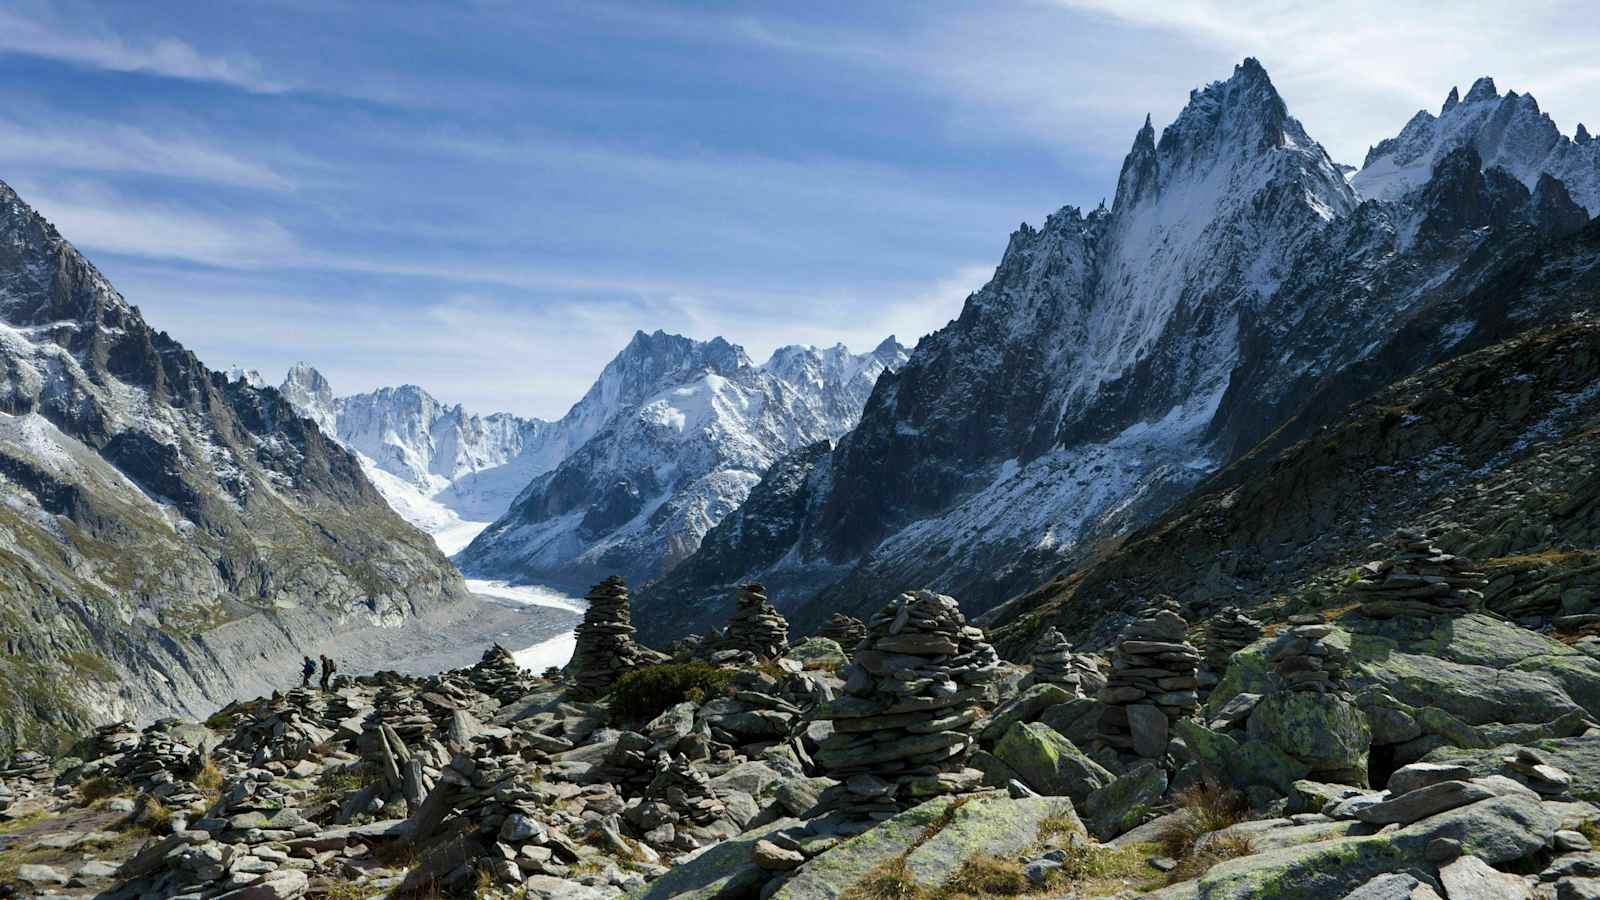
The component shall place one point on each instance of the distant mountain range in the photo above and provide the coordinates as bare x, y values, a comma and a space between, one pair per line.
667, 441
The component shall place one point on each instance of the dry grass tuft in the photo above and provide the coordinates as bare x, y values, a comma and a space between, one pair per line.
1207, 807
1199, 862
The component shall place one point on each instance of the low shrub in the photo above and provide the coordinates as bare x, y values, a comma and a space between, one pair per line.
643, 694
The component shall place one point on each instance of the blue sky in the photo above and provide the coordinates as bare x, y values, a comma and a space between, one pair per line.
487, 199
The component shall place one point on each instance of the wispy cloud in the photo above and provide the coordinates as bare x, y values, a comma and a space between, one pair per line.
95, 218
119, 148
165, 56
1355, 72
495, 352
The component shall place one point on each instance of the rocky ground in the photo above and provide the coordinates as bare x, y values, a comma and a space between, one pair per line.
1411, 744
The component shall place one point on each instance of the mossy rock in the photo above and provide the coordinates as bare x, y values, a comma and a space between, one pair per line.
1321, 730
1049, 763
820, 653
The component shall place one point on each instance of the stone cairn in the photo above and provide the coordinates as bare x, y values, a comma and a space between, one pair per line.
1421, 580
27, 775
1152, 684
904, 727
287, 729
488, 799
846, 630
756, 630
161, 765
1053, 663
236, 845
678, 801
1305, 662
1228, 632
605, 648
499, 676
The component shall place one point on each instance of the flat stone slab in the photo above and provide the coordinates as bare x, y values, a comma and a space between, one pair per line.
997, 825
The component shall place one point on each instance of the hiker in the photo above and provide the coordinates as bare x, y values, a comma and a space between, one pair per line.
327, 671
307, 669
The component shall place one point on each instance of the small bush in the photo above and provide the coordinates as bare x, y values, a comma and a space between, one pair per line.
645, 693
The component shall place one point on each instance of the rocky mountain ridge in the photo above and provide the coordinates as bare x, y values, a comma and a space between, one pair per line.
1119, 357
166, 530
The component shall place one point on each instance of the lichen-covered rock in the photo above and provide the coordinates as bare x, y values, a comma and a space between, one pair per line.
1049, 763
1321, 730
1126, 803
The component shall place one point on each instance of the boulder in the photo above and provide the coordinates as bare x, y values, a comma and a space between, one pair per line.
1125, 803
997, 826
722, 870
1049, 763
1321, 730
1423, 802
1470, 878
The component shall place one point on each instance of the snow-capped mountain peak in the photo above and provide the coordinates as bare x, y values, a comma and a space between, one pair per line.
639, 494
1508, 131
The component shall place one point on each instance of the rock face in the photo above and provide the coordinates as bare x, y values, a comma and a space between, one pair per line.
1152, 683
605, 648
1235, 285
1450, 451
691, 429
904, 726
170, 533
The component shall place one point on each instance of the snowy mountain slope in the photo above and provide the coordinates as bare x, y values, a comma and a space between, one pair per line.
163, 530
1508, 132
640, 494
1117, 358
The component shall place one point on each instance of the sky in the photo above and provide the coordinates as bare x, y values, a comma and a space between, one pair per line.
488, 198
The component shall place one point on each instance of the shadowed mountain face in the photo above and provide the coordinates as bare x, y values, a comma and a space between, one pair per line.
165, 530
1119, 357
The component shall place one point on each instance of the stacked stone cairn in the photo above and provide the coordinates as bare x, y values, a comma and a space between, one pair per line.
678, 807
115, 738
160, 766
236, 845
1305, 662
1153, 683
1228, 631
904, 727
606, 649
287, 730
756, 631
1053, 663
26, 776
846, 630
1421, 580
499, 676
487, 808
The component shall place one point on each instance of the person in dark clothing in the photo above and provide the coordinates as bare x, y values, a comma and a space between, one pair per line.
307, 669
327, 671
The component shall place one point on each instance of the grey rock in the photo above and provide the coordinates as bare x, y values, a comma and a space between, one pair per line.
1423, 802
